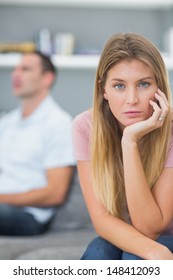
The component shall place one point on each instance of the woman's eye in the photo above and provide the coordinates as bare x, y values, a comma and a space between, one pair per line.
144, 84
119, 86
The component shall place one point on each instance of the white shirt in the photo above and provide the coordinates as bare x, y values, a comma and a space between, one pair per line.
29, 146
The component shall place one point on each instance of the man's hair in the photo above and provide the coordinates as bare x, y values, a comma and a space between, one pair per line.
47, 65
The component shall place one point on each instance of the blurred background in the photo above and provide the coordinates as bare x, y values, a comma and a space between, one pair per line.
74, 33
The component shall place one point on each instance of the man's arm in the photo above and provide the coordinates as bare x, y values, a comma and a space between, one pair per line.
53, 194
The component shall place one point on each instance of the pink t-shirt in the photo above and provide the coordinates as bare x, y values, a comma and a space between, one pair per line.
81, 129
81, 132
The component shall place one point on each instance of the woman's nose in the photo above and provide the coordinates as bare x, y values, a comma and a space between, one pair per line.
132, 96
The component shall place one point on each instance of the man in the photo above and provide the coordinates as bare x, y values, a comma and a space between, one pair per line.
36, 159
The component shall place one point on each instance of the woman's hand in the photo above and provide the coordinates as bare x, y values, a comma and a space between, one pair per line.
136, 131
163, 253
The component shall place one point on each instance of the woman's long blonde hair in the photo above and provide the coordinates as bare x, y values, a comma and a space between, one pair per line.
106, 153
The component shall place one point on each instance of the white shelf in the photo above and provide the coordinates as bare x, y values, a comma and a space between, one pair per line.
95, 3
9, 60
69, 62
76, 61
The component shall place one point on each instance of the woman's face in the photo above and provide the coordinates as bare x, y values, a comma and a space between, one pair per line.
129, 86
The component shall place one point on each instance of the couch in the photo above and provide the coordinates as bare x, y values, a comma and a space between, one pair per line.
66, 239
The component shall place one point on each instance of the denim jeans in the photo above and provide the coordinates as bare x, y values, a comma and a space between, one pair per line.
100, 249
15, 222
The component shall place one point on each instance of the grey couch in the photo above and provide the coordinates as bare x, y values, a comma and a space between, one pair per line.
67, 238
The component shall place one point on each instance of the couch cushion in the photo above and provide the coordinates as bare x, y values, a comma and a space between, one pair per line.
62, 245
73, 213
55, 253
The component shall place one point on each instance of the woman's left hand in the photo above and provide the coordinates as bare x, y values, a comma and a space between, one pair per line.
135, 131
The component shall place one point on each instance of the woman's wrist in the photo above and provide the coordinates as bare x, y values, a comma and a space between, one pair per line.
128, 140
159, 252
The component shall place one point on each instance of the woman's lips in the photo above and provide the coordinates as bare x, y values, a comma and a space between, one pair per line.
133, 114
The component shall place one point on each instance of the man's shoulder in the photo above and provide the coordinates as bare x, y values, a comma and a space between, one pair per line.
55, 114
60, 113
57, 121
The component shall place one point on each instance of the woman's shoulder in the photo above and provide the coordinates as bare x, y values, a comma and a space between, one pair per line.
83, 121
83, 117
81, 129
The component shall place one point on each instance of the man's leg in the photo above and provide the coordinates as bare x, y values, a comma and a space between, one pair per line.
100, 249
15, 222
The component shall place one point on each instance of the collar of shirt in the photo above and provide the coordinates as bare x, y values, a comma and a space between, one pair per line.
44, 106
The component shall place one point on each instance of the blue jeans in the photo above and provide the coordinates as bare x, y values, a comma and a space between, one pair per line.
100, 249
15, 222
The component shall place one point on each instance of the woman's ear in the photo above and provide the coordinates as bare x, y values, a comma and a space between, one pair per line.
105, 95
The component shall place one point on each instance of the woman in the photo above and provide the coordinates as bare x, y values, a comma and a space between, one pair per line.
124, 152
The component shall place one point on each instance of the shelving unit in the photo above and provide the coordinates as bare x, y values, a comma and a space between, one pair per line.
91, 22
69, 62
84, 61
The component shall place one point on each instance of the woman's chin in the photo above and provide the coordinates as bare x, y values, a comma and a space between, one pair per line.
131, 121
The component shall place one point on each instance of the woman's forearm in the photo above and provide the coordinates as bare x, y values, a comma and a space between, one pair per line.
143, 209
118, 232
130, 240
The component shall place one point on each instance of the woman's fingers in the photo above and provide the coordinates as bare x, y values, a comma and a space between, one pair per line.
156, 110
163, 95
164, 107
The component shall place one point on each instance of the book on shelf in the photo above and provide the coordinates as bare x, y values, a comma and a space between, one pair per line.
6, 47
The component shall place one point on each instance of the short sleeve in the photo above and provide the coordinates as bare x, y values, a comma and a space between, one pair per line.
81, 131
169, 161
59, 147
